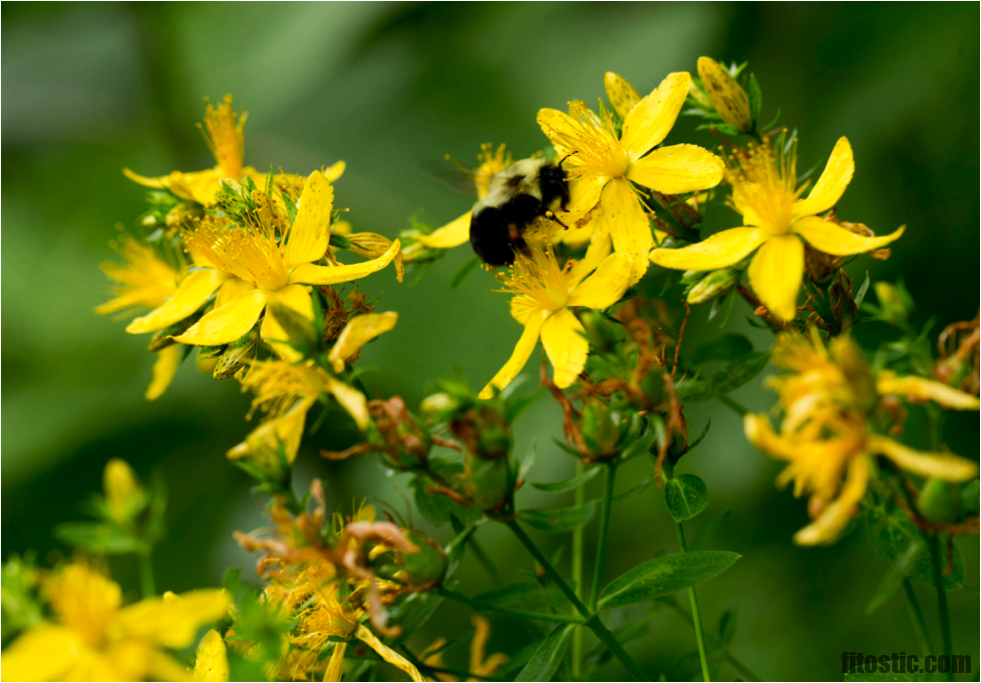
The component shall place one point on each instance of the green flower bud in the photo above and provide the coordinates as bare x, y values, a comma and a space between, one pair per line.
125, 497
439, 406
425, 566
600, 428
487, 482
237, 355
893, 301
936, 502
714, 285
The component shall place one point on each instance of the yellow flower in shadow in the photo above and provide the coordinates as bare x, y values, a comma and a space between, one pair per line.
94, 638
825, 435
775, 220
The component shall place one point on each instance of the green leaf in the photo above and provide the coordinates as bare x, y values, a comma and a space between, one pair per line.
705, 535
755, 97
545, 662
730, 346
633, 491
891, 535
437, 508
686, 495
464, 271
97, 538
735, 375
894, 576
569, 484
665, 575
862, 291
558, 520
526, 595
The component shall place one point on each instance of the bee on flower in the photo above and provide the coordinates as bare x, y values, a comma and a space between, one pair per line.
777, 222
92, 637
830, 400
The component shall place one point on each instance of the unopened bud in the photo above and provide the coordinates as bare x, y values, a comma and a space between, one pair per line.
600, 430
714, 285
892, 302
936, 501
425, 566
124, 495
237, 355
727, 96
440, 404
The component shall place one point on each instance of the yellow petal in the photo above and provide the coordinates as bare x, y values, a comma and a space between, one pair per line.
309, 274
352, 400
335, 668
522, 352
164, 370
629, 227
191, 294
721, 250
650, 121
599, 248
559, 127
606, 285
833, 239
356, 333
226, 324
232, 288
925, 390
297, 298
310, 234
944, 466
622, 95
584, 194
832, 183
728, 97
335, 171
678, 168
172, 623
776, 272
453, 234
760, 433
833, 520
43, 653
565, 346
388, 654
211, 663
159, 183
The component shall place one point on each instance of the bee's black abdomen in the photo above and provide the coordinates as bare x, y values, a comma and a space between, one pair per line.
495, 232
554, 186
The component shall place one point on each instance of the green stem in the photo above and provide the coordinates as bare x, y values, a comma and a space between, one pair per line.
485, 560
488, 606
696, 617
733, 405
916, 615
592, 620
147, 584
605, 509
736, 663
938, 579
577, 564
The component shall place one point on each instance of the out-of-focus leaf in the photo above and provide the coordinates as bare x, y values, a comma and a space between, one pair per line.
705, 535
569, 484
735, 375
685, 495
97, 538
558, 520
894, 576
730, 346
545, 662
665, 575
892, 534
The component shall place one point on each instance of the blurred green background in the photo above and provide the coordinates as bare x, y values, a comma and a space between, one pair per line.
89, 89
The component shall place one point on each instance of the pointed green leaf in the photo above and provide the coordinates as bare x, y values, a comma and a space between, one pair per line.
545, 662
569, 484
686, 496
894, 576
558, 520
665, 575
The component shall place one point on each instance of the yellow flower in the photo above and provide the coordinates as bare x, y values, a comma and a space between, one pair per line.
252, 268
765, 193
286, 392
211, 662
727, 96
480, 664
94, 638
457, 231
602, 165
544, 296
825, 435
223, 133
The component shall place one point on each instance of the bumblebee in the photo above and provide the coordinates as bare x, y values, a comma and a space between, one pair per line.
516, 196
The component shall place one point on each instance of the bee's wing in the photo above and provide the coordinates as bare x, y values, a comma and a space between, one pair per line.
453, 176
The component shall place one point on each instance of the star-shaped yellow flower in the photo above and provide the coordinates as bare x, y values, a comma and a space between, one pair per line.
252, 267
223, 132
94, 638
826, 437
601, 165
545, 295
775, 220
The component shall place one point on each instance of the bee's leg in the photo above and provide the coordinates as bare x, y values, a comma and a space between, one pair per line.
551, 216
